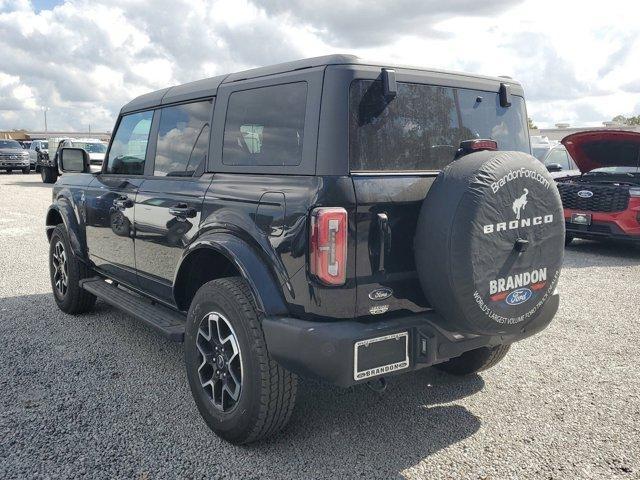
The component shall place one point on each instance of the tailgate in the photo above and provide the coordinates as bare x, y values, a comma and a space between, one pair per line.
386, 218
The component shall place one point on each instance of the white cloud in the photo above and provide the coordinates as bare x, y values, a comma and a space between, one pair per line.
85, 59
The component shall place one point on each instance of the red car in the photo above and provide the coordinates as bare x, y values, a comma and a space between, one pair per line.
604, 200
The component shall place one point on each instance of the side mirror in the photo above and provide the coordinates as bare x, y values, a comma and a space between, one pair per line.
554, 167
73, 160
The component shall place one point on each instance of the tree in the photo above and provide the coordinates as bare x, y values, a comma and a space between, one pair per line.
626, 120
532, 126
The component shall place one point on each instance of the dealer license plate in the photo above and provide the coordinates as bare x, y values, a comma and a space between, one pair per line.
380, 356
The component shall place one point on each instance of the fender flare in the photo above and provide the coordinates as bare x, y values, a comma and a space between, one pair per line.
65, 211
266, 291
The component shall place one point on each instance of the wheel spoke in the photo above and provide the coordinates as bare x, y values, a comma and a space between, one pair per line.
220, 368
60, 268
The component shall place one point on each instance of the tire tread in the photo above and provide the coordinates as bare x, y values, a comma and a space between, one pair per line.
278, 386
475, 361
81, 301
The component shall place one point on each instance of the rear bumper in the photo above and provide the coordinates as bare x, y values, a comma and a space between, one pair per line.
326, 349
623, 225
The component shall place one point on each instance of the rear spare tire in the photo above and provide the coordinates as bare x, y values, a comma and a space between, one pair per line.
490, 242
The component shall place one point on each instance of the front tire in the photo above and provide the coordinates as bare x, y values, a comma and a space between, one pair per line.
567, 240
26, 170
48, 175
475, 361
66, 271
241, 392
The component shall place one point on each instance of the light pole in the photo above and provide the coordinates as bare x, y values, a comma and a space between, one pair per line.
44, 110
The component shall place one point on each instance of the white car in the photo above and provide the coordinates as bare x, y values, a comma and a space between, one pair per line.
48, 164
555, 157
94, 147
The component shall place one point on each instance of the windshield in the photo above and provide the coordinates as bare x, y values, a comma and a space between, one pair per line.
558, 156
10, 144
91, 147
539, 152
422, 127
44, 145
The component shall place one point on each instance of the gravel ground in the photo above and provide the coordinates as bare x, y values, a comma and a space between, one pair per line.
102, 396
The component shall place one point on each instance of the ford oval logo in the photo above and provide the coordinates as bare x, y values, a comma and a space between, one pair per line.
380, 294
585, 194
519, 296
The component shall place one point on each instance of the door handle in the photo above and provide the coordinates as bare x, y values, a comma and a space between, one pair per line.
384, 235
182, 210
123, 202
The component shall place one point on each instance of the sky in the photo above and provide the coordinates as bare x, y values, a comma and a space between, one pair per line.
82, 60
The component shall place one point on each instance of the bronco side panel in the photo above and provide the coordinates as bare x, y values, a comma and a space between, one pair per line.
269, 206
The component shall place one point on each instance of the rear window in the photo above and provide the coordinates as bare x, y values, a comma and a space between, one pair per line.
422, 127
265, 126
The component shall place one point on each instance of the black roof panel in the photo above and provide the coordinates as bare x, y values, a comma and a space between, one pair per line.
291, 66
198, 89
209, 86
147, 100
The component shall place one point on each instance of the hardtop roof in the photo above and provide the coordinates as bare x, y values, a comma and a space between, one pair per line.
209, 86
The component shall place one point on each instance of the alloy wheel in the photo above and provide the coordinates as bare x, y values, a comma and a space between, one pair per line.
60, 269
220, 369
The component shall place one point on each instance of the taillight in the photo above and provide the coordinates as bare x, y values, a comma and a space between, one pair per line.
479, 144
476, 145
328, 245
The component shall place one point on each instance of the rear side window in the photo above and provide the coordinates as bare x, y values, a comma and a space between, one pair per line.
183, 139
422, 127
265, 126
129, 146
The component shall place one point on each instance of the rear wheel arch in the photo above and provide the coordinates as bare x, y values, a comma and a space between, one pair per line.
225, 256
197, 268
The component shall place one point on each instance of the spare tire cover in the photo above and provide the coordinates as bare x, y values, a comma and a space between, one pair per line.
490, 242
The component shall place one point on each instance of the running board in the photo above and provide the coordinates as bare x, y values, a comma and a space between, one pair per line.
168, 322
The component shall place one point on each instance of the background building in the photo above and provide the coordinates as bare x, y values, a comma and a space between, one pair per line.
39, 135
561, 130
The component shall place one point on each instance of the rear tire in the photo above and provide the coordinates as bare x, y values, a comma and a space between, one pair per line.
66, 271
475, 361
9, 172
264, 392
48, 175
567, 240
26, 171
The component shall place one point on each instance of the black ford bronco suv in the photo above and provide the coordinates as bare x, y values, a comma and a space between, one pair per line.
328, 218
